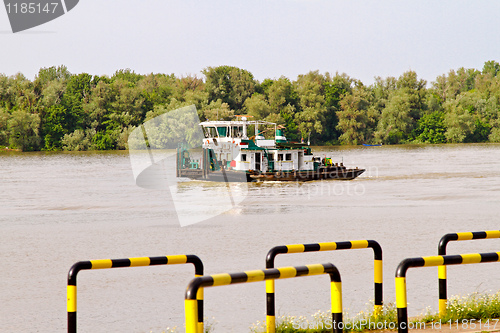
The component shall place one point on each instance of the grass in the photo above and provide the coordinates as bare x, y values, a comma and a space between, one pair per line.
473, 306
461, 310
478, 306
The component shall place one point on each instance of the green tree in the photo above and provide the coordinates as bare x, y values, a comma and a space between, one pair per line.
310, 116
24, 128
491, 67
230, 84
334, 89
356, 118
4, 131
395, 123
430, 129
54, 127
258, 107
284, 102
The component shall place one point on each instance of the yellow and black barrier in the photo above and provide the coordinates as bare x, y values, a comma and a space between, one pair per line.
461, 259
191, 304
316, 247
461, 236
130, 262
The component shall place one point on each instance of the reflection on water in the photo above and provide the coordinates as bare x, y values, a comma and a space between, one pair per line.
59, 208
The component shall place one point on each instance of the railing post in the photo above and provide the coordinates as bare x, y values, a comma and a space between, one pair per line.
442, 272
443, 260
130, 262
191, 308
317, 247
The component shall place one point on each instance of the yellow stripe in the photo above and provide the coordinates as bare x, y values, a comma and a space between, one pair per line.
359, 244
493, 234
295, 248
256, 275
327, 246
464, 236
221, 279
103, 263
191, 313
472, 258
377, 310
271, 324
270, 286
336, 294
141, 261
71, 305
315, 269
401, 292
433, 260
442, 307
200, 327
178, 259
287, 272
442, 272
378, 271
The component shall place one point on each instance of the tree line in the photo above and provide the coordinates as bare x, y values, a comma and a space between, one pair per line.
59, 110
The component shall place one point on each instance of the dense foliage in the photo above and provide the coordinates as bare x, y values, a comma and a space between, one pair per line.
60, 110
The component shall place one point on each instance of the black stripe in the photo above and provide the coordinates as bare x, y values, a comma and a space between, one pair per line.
378, 294
402, 320
120, 263
158, 261
71, 322
272, 273
311, 247
196, 284
238, 277
489, 257
338, 327
377, 249
273, 253
73, 271
407, 263
452, 259
333, 271
302, 270
200, 310
270, 304
343, 245
442, 289
478, 235
196, 261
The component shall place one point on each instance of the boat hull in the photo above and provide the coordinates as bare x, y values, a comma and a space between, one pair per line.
337, 173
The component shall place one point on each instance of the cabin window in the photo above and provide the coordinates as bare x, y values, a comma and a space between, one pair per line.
280, 157
236, 132
222, 131
243, 157
210, 132
270, 157
289, 157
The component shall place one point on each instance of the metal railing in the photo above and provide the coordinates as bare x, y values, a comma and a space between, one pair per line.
129, 262
191, 304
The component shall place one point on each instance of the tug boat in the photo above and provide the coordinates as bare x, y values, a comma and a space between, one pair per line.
229, 154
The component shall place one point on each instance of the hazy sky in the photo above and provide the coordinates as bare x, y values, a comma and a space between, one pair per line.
269, 38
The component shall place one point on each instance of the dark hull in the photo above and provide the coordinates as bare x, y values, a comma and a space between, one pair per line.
321, 173
337, 173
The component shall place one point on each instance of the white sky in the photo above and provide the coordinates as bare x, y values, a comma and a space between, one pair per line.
269, 38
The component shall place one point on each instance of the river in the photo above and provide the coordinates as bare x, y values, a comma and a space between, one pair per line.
60, 208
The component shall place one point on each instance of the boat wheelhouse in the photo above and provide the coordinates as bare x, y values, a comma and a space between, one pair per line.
246, 150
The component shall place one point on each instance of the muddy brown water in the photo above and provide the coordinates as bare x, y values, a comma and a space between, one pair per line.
59, 208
